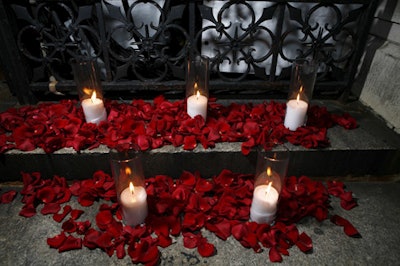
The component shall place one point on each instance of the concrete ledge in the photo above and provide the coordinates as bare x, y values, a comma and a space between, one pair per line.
371, 149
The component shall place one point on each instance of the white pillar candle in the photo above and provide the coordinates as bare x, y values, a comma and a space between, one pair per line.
197, 105
134, 204
264, 204
94, 110
296, 111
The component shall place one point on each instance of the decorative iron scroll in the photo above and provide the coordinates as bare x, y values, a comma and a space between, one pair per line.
143, 45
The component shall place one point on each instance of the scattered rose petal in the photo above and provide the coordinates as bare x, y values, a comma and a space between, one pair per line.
205, 249
186, 206
59, 217
8, 196
57, 241
28, 211
75, 214
70, 243
274, 255
348, 228
50, 208
304, 243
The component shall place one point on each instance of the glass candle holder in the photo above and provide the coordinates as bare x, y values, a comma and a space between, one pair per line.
127, 171
197, 78
86, 76
302, 81
271, 169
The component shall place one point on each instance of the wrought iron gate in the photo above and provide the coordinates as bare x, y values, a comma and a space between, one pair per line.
142, 46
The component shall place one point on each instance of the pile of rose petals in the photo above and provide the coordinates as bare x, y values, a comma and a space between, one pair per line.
53, 126
185, 206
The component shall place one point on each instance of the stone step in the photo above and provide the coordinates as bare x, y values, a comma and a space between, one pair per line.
370, 149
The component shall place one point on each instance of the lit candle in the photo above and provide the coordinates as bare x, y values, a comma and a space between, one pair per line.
296, 111
134, 204
265, 202
94, 110
197, 104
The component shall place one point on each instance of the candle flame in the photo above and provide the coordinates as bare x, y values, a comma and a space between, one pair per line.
131, 188
268, 188
197, 95
298, 94
93, 98
269, 171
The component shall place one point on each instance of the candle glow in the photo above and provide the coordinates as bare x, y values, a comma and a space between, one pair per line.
269, 172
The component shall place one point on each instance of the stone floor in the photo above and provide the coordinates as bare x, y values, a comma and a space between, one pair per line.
377, 218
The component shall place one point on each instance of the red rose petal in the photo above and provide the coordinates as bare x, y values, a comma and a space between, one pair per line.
225, 178
90, 239
46, 194
103, 219
50, 208
189, 142
56, 241
82, 227
59, 217
143, 142
222, 229
348, 205
75, 214
204, 185
247, 146
8, 196
193, 221
120, 250
70, 243
164, 241
190, 240
143, 252
86, 199
104, 240
348, 228
304, 243
205, 249
28, 211
188, 179
274, 255
69, 226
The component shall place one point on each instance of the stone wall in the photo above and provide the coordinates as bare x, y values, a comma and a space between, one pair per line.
379, 74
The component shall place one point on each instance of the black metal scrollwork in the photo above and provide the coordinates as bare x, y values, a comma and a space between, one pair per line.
149, 50
244, 41
251, 44
53, 34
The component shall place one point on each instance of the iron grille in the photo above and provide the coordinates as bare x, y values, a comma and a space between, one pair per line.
142, 46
